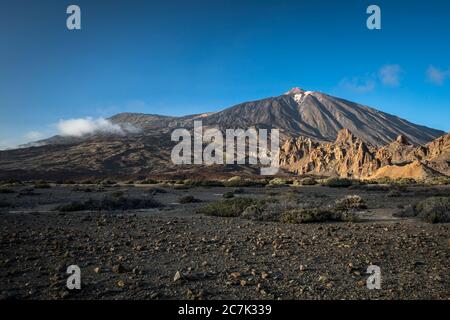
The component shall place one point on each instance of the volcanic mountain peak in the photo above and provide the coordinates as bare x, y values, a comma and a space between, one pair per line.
295, 91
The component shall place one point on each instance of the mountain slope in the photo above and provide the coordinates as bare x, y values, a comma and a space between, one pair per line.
309, 121
320, 117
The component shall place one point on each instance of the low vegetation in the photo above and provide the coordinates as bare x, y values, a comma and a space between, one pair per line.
350, 203
110, 204
278, 182
285, 210
239, 182
149, 181
228, 208
338, 182
314, 215
305, 182
432, 210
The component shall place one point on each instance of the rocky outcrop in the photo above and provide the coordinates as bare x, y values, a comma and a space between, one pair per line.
350, 156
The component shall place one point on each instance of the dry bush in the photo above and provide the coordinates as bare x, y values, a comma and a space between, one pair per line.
228, 208
434, 209
350, 203
338, 182
110, 204
305, 182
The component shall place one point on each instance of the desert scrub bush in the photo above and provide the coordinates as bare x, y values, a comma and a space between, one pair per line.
405, 181
235, 182
305, 182
434, 209
306, 215
211, 183
349, 203
313, 215
228, 208
188, 199
438, 181
238, 182
228, 195
6, 190
278, 182
268, 211
149, 181
338, 182
108, 203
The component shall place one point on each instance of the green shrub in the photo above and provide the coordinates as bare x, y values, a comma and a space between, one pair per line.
148, 181
235, 182
338, 182
211, 183
438, 181
350, 203
306, 215
108, 203
384, 180
313, 215
434, 209
228, 208
405, 181
238, 182
278, 182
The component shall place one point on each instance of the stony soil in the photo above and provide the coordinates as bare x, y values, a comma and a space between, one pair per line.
174, 253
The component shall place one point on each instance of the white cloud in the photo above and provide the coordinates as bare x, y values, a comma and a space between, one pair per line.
83, 126
34, 135
390, 75
437, 76
357, 84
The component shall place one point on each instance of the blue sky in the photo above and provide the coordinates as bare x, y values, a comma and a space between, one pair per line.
183, 57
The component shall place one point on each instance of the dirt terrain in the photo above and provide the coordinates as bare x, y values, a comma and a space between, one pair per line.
172, 252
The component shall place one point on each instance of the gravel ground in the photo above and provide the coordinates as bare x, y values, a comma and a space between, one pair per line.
174, 253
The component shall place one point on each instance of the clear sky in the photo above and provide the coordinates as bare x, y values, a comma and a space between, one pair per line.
183, 57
